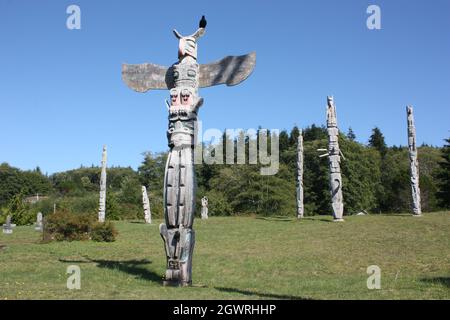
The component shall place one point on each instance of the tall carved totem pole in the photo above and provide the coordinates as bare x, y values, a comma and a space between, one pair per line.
334, 160
414, 163
183, 79
102, 201
146, 204
300, 207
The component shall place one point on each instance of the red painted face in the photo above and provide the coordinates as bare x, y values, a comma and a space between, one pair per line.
186, 97
174, 98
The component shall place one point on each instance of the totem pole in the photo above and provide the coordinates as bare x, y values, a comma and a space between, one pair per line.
300, 207
205, 208
146, 204
334, 159
102, 202
413, 162
183, 79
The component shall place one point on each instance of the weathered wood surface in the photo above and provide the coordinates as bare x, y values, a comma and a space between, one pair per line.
414, 162
334, 159
146, 205
231, 71
102, 200
300, 205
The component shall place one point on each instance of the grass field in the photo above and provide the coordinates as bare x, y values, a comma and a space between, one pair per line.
242, 258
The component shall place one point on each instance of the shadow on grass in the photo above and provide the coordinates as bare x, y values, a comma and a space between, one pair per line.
133, 267
261, 294
438, 280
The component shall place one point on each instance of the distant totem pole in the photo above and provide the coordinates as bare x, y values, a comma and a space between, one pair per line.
183, 79
102, 202
204, 208
146, 204
413, 162
334, 159
300, 207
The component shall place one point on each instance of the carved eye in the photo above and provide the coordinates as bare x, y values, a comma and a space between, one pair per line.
185, 93
191, 73
176, 74
173, 93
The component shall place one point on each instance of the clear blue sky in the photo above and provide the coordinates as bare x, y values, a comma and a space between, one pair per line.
62, 96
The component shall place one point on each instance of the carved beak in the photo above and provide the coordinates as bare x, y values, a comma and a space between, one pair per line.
181, 48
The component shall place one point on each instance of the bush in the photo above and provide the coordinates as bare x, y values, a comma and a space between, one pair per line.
103, 232
112, 206
217, 204
18, 210
63, 225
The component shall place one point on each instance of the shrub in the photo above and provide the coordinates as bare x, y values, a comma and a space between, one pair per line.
112, 206
217, 204
103, 232
18, 210
63, 225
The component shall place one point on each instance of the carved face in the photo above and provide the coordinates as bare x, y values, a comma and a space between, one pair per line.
174, 97
186, 97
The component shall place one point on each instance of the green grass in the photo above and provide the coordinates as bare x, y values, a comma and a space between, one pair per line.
242, 258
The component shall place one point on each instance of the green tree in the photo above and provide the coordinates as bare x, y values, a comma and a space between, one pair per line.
283, 141
112, 210
314, 133
443, 176
18, 210
293, 137
351, 134
376, 141
316, 178
130, 191
394, 194
361, 176
14, 181
151, 171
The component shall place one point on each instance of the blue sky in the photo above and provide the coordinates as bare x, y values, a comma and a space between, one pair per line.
62, 96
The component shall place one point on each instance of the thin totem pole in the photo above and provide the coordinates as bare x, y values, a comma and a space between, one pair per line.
102, 202
183, 79
204, 208
300, 207
334, 159
146, 204
413, 162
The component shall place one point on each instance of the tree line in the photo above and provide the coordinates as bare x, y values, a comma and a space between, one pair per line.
375, 179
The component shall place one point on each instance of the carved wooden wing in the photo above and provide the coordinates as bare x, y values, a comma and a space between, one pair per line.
147, 76
231, 70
